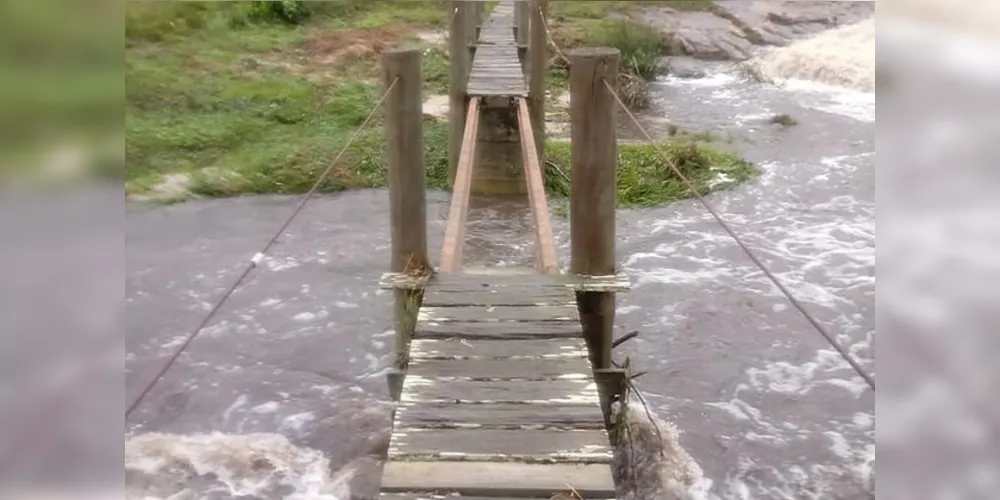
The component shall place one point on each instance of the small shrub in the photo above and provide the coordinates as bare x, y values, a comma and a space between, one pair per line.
640, 46
644, 179
291, 13
634, 91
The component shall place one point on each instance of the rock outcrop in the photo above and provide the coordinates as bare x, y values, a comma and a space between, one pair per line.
733, 30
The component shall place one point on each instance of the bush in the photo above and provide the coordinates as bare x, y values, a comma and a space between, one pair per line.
288, 13
640, 46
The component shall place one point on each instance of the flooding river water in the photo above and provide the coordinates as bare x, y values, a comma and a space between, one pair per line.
284, 395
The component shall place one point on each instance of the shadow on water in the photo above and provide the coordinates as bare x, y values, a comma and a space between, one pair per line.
291, 373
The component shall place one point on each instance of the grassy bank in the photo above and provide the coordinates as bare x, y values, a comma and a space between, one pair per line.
226, 99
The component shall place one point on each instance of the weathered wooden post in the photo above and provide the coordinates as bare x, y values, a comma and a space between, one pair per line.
407, 193
522, 20
474, 19
594, 120
462, 14
537, 55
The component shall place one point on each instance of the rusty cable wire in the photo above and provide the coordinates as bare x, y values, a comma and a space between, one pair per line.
256, 259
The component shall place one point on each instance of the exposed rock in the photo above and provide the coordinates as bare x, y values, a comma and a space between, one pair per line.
679, 66
699, 34
778, 23
732, 30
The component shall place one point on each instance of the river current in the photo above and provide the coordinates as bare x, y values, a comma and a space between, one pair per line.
284, 395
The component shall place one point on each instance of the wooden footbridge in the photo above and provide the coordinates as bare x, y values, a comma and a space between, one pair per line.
503, 379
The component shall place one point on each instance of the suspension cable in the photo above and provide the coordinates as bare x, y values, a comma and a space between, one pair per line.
739, 241
854, 364
259, 256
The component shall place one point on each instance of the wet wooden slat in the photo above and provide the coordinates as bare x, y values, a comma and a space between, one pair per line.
498, 479
500, 331
485, 369
499, 416
507, 296
499, 313
430, 390
455, 348
434, 496
570, 281
612, 283
496, 67
581, 446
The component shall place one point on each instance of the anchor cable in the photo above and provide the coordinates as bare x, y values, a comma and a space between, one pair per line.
259, 256
854, 364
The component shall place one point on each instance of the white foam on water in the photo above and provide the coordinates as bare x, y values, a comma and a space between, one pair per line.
719, 79
843, 56
281, 263
266, 465
833, 99
651, 462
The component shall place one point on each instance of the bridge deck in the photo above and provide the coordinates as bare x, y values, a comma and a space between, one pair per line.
496, 67
499, 399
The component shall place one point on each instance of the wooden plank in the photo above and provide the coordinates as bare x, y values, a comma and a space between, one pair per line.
454, 236
498, 313
486, 369
498, 479
434, 496
547, 262
505, 296
616, 283
499, 416
418, 389
497, 445
505, 331
497, 349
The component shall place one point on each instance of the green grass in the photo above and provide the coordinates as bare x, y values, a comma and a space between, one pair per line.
644, 179
241, 106
591, 23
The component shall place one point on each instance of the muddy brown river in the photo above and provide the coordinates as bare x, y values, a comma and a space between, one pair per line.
283, 395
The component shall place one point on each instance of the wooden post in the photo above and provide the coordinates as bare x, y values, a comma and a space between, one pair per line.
522, 19
537, 55
593, 116
473, 20
461, 65
407, 186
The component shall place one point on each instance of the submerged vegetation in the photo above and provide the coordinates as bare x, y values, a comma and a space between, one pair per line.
232, 98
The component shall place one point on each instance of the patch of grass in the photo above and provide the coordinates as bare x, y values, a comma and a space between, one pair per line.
597, 23
217, 92
645, 180
263, 107
639, 44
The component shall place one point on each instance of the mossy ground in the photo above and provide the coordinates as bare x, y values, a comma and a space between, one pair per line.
239, 106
